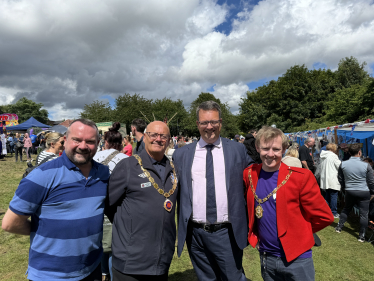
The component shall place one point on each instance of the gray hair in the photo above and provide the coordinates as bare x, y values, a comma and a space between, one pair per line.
206, 106
308, 140
87, 122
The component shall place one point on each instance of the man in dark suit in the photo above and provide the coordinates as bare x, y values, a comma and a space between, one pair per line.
211, 207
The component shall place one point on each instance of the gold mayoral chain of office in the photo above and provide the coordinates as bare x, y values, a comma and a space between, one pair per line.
259, 209
168, 205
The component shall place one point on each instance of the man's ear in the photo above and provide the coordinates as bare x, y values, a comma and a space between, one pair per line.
257, 148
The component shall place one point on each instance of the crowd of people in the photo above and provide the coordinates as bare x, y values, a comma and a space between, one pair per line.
103, 210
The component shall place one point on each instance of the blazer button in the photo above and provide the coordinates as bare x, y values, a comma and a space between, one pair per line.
185, 220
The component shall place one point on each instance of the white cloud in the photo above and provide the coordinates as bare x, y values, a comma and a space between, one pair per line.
68, 53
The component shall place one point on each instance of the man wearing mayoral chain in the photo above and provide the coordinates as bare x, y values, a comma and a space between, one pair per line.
142, 195
285, 208
211, 210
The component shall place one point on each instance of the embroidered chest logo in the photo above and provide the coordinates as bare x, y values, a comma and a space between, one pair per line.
173, 179
142, 176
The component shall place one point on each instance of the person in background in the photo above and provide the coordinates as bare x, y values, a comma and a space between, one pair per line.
249, 143
169, 151
110, 157
357, 179
180, 139
27, 144
18, 149
329, 176
346, 155
305, 154
55, 144
42, 140
11, 144
33, 141
236, 138
127, 149
369, 161
292, 158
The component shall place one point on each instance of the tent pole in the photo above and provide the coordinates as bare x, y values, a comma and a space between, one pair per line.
336, 136
367, 148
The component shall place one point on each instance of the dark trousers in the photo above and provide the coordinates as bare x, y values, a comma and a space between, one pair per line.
119, 276
18, 150
331, 197
215, 255
362, 199
278, 269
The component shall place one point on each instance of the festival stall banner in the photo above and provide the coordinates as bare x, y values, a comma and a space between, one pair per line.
10, 119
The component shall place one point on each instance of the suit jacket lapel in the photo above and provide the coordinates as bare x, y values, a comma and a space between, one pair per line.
189, 161
281, 200
227, 158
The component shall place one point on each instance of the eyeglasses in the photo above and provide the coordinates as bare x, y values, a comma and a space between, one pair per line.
153, 136
214, 123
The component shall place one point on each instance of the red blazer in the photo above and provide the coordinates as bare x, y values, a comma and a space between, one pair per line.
301, 209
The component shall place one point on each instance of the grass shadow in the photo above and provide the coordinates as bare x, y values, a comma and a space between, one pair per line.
187, 275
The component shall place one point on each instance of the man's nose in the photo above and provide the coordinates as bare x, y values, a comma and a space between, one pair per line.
82, 145
271, 153
209, 126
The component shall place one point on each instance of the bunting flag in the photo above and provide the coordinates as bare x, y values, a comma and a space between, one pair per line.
353, 128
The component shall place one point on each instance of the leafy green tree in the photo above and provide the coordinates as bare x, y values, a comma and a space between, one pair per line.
352, 104
350, 72
97, 111
166, 107
128, 107
26, 108
229, 122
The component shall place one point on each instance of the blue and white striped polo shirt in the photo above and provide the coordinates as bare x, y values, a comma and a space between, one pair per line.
66, 212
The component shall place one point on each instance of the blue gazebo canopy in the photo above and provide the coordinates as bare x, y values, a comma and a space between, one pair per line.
32, 122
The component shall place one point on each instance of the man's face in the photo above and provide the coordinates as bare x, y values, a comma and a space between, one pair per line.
81, 143
311, 143
156, 145
271, 154
133, 130
254, 134
209, 133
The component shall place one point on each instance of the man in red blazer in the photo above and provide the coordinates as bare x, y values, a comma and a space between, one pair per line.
285, 208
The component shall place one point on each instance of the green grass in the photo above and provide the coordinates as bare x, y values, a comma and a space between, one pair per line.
340, 257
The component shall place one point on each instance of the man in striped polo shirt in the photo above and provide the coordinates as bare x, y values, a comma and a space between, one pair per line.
65, 200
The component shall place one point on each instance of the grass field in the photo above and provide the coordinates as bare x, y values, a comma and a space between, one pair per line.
340, 257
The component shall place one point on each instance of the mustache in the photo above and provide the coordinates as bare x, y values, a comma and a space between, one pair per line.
83, 151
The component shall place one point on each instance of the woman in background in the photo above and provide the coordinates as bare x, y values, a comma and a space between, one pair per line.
292, 157
128, 146
169, 151
329, 176
110, 156
17, 147
55, 145
28, 145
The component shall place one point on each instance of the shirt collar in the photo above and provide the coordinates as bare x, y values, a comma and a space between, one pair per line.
203, 143
155, 162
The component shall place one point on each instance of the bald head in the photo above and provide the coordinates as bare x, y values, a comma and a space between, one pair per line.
157, 124
157, 139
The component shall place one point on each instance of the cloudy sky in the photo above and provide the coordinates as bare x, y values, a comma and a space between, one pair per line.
67, 53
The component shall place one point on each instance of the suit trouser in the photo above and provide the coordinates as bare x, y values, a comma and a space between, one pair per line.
215, 255
119, 276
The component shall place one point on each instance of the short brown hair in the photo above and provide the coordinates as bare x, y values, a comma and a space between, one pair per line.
269, 133
354, 149
87, 122
332, 147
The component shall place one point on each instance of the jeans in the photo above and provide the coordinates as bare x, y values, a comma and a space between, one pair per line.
278, 269
18, 150
362, 199
331, 197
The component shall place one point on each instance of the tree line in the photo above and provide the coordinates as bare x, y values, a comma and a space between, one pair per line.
301, 99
